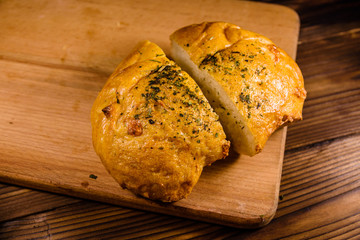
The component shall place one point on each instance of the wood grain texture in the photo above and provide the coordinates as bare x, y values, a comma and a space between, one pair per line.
99, 35
330, 163
50, 80
325, 118
93, 220
13, 199
308, 207
311, 176
328, 55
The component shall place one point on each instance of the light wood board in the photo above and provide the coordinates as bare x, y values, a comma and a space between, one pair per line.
55, 56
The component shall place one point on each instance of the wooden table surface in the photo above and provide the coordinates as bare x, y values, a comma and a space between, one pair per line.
320, 186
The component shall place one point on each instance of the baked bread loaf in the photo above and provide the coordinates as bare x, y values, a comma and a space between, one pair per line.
153, 128
253, 85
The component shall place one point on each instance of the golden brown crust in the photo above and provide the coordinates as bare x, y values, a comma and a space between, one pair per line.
264, 83
153, 128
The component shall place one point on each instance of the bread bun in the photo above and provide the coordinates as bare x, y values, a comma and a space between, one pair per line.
253, 85
153, 128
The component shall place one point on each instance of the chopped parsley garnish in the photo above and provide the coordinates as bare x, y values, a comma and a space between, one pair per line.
245, 98
93, 176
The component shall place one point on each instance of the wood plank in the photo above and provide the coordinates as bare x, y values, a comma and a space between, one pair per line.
322, 74
326, 118
324, 19
49, 81
326, 26
93, 220
100, 34
323, 221
312, 175
86, 219
13, 199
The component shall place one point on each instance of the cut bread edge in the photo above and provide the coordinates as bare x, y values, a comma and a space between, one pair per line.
234, 124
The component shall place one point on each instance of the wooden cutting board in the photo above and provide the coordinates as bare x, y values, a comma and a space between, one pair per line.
55, 56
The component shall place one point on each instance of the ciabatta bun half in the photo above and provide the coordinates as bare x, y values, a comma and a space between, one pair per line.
252, 84
153, 128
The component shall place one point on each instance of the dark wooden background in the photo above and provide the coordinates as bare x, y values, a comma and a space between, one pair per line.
320, 187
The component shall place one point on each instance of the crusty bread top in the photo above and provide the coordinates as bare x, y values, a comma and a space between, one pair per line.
264, 83
153, 128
